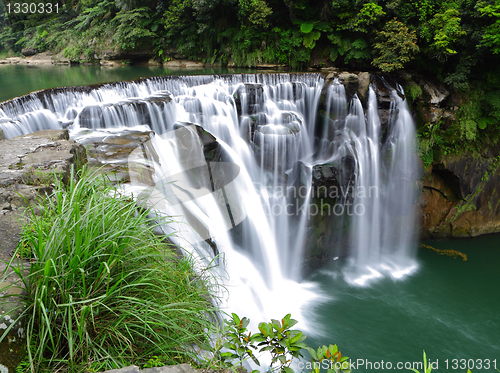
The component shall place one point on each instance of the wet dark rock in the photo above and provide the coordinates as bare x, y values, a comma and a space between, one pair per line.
248, 126
110, 153
364, 83
351, 84
254, 93
119, 54
325, 177
91, 117
29, 51
211, 148
328, 224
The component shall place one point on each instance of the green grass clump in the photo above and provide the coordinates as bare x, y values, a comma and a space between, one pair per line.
103, 291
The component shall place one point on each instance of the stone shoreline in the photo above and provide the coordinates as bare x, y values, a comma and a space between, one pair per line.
48, 58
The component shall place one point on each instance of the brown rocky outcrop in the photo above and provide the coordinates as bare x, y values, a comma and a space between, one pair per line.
460, 197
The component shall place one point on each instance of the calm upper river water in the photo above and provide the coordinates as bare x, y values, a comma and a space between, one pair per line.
18, 80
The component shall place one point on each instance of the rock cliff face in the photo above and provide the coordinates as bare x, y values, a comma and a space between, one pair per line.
459, 195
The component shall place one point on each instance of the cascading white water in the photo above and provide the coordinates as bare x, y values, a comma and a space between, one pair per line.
264, 126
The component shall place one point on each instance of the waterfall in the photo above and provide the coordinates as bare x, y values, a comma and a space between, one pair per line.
383, 230
236, 162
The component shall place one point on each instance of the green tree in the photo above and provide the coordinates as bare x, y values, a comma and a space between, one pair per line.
368, 15
134, 28
491, 36
443, 32
396, 46
255, 12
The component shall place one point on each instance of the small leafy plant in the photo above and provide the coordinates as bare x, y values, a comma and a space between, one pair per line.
239, 344
332, 356
282, 342
276, 338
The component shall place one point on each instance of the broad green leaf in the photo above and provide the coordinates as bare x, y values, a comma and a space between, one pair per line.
236, 319
310, 39
312, 352
296, 337
228, 355
300, 345
286, 319
306, 27
263, 329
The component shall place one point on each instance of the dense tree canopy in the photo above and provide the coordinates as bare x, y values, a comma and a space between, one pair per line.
449, 39
457, 42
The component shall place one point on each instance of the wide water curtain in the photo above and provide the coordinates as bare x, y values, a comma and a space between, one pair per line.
266, 172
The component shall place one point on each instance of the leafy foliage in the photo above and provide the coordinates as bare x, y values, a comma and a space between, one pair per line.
396, 46
102, 290
276, 337
491, 36
443, 32
239, 344
256, 11
469, 116
457, 40
132, 28
349, 50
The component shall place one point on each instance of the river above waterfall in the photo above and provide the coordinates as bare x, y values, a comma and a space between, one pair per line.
447, 307
18, 80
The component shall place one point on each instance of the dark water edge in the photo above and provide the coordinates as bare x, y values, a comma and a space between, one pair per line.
450, 308
18, 80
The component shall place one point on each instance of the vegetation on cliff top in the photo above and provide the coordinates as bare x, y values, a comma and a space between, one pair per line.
454, 40
457, 42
